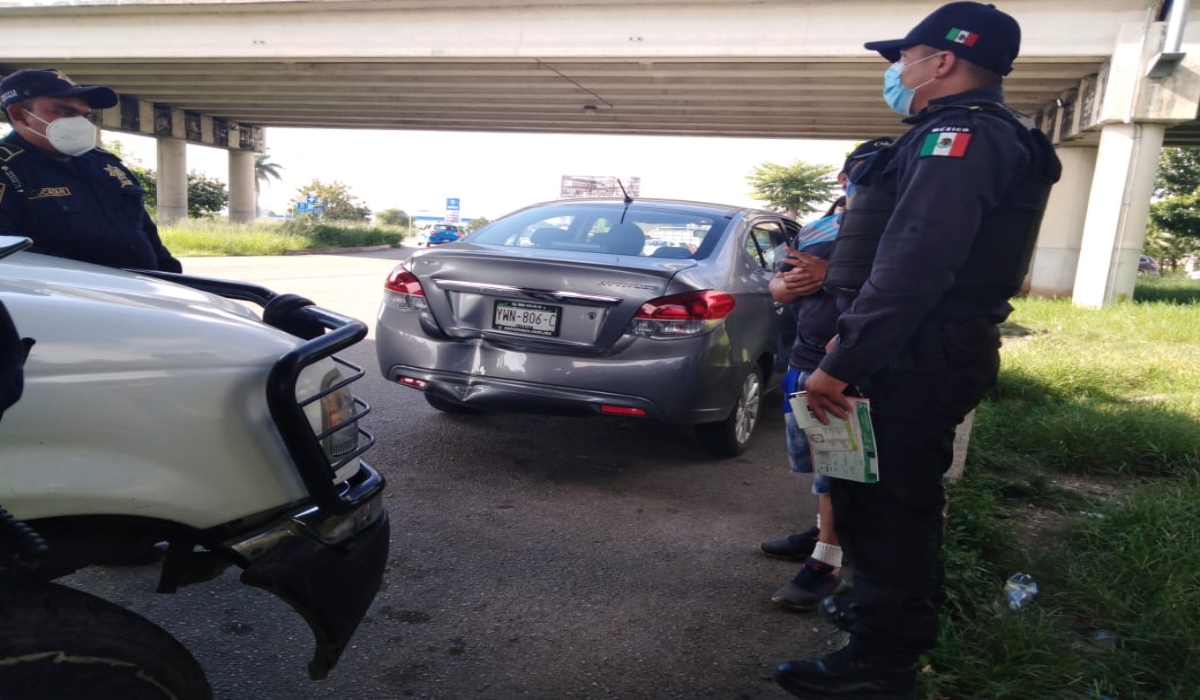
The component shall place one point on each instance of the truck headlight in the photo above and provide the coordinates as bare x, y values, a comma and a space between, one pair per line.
338, 421
323, 391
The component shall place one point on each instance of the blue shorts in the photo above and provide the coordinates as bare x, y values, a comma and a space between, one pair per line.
798, 453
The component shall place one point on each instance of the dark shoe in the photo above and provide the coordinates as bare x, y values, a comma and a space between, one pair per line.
794, 547
846, 674
813, 582
839, 611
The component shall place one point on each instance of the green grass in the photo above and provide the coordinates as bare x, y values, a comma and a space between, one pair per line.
1107, 399
211, 238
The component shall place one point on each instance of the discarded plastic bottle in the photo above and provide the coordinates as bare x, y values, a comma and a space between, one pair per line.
1106, 639
1020, 589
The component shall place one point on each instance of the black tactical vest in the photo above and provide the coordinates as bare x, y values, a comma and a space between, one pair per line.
999, 257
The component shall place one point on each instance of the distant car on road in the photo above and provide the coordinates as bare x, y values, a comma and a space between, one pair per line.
437, 234
1149, 266
682, 250
568, 308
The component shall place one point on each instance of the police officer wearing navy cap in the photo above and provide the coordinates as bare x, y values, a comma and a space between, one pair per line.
935, 241
57, 188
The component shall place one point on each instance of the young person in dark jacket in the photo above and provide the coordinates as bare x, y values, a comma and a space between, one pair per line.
797, 284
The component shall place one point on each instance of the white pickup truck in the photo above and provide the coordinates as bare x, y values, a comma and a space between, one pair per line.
157, 409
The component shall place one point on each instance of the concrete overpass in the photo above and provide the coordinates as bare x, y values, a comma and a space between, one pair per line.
219, 72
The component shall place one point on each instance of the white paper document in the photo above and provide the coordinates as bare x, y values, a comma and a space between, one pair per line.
844, 449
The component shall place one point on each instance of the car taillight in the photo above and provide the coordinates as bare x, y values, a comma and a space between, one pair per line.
682, 314
403, 291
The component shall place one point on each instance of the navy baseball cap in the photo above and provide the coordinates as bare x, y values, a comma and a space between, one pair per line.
49, 82
972, 31
867, 148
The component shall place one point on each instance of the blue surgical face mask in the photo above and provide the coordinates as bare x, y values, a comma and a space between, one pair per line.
895, 94
849, 190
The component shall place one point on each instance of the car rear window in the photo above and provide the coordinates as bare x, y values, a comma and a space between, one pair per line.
604, 229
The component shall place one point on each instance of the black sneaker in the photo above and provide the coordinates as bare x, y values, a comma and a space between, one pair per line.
847, 675
838, 611
815, 581
793, 547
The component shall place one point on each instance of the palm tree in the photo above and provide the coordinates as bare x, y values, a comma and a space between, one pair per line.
264, 170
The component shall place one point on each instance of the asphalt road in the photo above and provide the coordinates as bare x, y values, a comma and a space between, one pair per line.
532, 556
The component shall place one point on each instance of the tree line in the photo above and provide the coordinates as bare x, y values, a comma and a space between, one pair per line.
1173, 232
797, 190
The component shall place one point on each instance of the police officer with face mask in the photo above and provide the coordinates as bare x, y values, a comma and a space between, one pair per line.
935, 241
57, 188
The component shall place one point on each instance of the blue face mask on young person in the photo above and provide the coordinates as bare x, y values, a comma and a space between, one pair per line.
895, 94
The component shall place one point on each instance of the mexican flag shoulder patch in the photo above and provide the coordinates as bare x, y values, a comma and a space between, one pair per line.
951, 144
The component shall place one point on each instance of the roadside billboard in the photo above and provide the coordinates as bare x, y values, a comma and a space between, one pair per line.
577, 186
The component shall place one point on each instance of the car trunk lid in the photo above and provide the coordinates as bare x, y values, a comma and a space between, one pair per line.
549, 299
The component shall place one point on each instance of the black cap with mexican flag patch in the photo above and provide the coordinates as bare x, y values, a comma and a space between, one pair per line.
972, 31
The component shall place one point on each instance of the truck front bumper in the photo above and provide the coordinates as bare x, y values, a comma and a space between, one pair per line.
327, 568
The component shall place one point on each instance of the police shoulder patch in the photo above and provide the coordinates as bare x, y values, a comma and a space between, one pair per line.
8, 152
947, 142
122, 179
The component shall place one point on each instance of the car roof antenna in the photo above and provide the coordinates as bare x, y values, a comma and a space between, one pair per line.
628, 199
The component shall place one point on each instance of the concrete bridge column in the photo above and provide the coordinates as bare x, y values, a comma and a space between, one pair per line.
1056, 258
172, 180
1149, 84
241, 187
1115, 227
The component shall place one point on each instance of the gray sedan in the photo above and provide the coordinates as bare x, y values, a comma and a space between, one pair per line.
568, 308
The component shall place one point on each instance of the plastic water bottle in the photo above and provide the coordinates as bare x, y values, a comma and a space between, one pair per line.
1020, 589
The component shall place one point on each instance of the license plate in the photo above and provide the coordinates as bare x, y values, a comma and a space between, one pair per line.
524, 317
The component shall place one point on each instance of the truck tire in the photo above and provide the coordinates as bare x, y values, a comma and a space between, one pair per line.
57, 642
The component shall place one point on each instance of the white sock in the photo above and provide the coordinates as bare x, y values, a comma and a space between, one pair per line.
831, 554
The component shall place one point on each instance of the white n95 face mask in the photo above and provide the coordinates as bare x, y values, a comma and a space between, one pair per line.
70, 136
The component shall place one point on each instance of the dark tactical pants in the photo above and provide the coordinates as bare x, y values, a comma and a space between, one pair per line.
892, 530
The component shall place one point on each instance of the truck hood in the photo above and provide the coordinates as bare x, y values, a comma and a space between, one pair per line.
86, 318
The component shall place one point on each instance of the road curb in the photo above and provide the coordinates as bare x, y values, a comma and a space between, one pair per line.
361, 249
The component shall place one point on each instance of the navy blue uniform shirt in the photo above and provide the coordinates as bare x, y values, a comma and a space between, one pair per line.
945, 185
86, 208
817, 313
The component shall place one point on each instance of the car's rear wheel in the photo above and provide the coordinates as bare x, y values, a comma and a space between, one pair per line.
57, 642
730, 437
450, 407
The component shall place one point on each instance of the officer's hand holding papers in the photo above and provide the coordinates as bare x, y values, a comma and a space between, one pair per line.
845, 447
